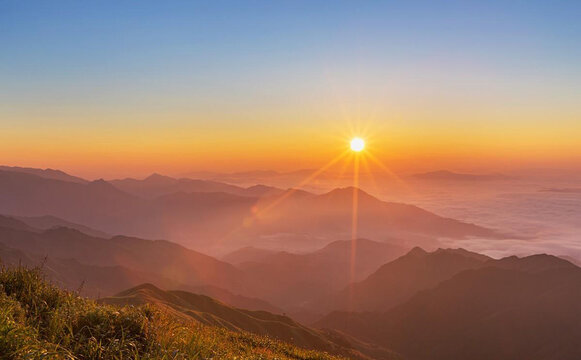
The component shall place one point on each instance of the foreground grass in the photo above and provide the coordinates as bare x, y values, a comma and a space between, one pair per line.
40, 321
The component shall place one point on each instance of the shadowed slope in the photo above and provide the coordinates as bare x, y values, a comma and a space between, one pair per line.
398, 280
511, 308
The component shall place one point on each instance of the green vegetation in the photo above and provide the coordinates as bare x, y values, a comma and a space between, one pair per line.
40, 321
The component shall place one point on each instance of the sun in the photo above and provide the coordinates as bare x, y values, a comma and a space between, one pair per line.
357, 144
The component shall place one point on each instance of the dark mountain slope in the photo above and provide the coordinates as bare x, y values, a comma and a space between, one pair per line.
527, 308
398, 280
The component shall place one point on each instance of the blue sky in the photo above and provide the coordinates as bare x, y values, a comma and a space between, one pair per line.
121, 66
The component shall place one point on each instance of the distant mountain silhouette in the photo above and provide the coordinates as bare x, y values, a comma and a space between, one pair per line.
445, 175
270, 177
45, 173
332, 213
221, 219
247, 254
562, 190
157, 185
513, 308
47, 222
400, 279
208, 311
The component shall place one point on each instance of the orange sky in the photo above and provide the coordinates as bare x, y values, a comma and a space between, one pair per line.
100, 90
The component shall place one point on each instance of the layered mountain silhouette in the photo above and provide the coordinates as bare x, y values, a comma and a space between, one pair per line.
157, 185
48, 222
503, 309
106, 266
248, 254
45, 173
292, 280
446, 175
211, 219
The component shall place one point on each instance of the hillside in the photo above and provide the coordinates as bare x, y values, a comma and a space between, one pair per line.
208, 311
511, 308
40, 321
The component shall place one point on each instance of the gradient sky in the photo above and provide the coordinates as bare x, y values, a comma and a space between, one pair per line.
118, 88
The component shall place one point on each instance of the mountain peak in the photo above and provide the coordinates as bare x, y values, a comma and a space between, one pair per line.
64, 232
156, 176
417, 251
347, 192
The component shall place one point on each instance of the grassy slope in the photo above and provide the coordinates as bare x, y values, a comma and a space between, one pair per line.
40, 321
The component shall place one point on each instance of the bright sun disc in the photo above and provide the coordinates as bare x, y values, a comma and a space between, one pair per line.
357, 144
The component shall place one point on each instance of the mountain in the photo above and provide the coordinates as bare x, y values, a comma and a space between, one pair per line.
14, 223
235, 300
400, 279
269, 177
153, 259
95, 204
102, 267
331, 213
525, 308
221, 221
293, 280
157, 185
45, 173
48, 222
247, 254
445, 175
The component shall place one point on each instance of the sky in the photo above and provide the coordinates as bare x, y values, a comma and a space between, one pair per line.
127, 88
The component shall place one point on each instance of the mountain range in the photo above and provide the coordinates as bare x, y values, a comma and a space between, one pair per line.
493, 309
446, 175
223, 220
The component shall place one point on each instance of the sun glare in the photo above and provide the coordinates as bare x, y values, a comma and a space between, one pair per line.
357, 144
